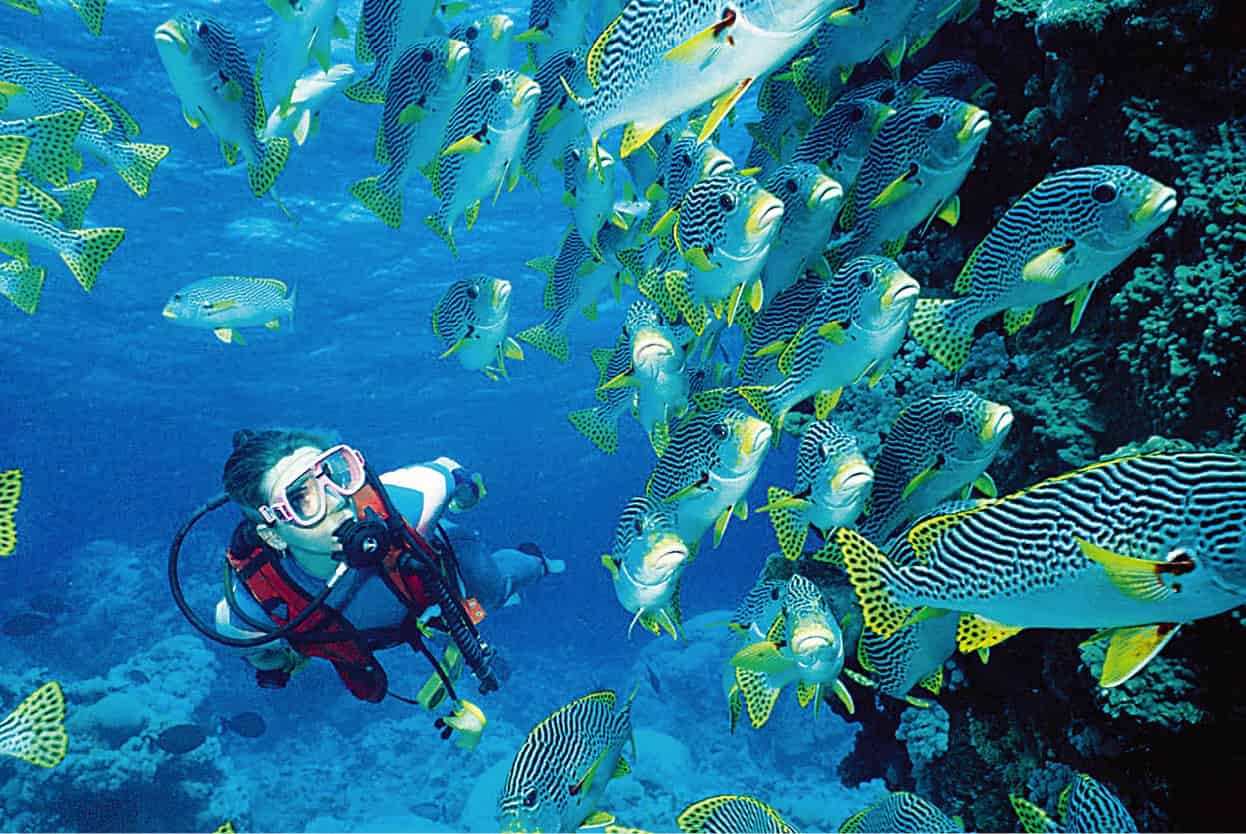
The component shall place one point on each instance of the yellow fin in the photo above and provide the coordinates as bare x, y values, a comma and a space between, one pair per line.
919, 479
824, 402
950, 212
1049, 267
722, 106
701, 47
635, 135
763, 656
597, 53
974, 632
697, 257
468, 144
1131, 649
833, 331
896, 190
1139, 579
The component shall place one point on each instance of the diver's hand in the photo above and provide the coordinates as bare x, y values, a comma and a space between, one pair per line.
468, 490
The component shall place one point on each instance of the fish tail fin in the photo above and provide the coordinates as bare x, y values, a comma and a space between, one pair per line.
379, 201
790, 527
10, 492
91, 12
543, 337
597, 427
264, 173
439, 226
764, 399
929, 327
23, 289
815, 91
142, 164
1034, 820
74, 200
366, 90
870, 574
52, 151
25, 5
35, 731
90, 249
759, 696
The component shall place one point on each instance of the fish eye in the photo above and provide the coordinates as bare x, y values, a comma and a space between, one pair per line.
954, 419
473, 291
177, 296
1104, 192
496, 85
720, 430
569, 62
865, 278
727, 203
575, 154
426, 55
934, 121
202, 29
686, 159
471, 33
529, 799
824, 450
887, 95
856, 114
638, 524
790, 185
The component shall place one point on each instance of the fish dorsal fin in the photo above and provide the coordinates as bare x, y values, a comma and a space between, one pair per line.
601, 358
272, 282
1062, 804
597, 52
933, 682
974, 632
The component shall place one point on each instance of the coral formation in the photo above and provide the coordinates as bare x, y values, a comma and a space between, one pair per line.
924, 733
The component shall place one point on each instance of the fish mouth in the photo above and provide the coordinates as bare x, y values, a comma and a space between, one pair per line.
651, 348
997, 423
456, 53
813, 643
1160, 204
501, 24
501, 292
766, 213
529, 91
826, 191
853, 474
169, 313
755, 436
977, 123
717, 163
171, 32
902, 287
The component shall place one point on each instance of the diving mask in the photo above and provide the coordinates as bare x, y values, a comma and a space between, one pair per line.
301, 499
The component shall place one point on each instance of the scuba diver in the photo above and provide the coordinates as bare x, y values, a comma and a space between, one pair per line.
334, 560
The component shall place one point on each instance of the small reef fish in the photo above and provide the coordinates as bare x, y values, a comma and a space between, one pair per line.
554, 26
10, 494
299, 117
811, 202
245, 724
732, 814
480, 148
1085, 805
35, 730
589, 187
647, 563
804, 645
385, 27
302, 32
938, 446
562, 768
31, 86
517, 568
955, 79
600, 423
91, 11
780, 319
757, 609
50, 153
224, 303
555, 122
424, 85
832, 482
472, 317
212, 78
491, 52
22, 284
785, 118
181, 739
709, 464
1135, 546
1059, 239
839, 142
902, 812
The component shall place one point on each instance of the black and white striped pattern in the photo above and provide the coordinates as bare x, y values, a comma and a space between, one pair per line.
902, 813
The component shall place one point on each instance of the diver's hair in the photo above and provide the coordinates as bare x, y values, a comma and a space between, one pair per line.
254, 454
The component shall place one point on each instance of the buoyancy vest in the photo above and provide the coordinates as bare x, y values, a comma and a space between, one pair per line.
326, 632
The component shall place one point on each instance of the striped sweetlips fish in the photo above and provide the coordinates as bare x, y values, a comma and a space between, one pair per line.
481, 147
811, 202
299, 116
1134, 546
224, 303
732, 813
780, 319
302, 32
31, 87
573, 278
589, 186
647, 563
1059, 239
938, 446
710, 463
911, 174
832, 482
212, 77
562, 768
600, 423
723, 228
1084, 805
851, 334
489, 39
964, 80
555, 122
757, 609
48, 150
385, 28
839, 142
424, 86
804, 645
928, 17
471, 317
661, 58
555, 26
686, 162
902, 812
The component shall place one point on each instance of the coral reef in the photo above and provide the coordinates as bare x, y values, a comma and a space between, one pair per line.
924, 733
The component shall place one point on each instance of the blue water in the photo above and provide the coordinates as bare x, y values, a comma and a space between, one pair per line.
121, 423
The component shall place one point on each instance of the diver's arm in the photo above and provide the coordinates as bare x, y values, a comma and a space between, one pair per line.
276, 655
441, 484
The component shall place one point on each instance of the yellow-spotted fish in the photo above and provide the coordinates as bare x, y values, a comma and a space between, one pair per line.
647, 563
732, 814
1059, 239
471, 318
385, 28
589, 188
1134, 546
811, 202
804, 645
938, 446
841, 139
425, 84
91, 11
299, 117
661, 58
302, 33
31, 86
22, 284
35, 731
902, 813
41, 220
1085, 805
50, 153
225, 303
556, 121
212, 78
709, 464
832, 482
561, 770
481, 147
10, 493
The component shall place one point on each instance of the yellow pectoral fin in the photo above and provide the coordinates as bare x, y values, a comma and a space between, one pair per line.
756, 296
512, 349
1136, 578
10, 90
986, 485
1131, 649
834, 331
655, 192
623, 380
468, 144
919, 479
1048, 267
950, 213
722, 106
701, 47
899, 188
551, 118
665, 224
845, 697
456, 347
411, 114
774, 347
607, 562
697, 257
720, 526
762, 657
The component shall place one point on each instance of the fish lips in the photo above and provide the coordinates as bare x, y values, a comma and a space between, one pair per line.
527, 94
764, 216
903, 288
170, 32
997, 423
1159, 206
973, 130
651, 348
826, 192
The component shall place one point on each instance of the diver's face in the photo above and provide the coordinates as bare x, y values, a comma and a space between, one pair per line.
314, 544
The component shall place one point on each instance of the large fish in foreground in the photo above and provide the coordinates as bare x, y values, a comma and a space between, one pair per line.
1059, 239
562, 768
902, 813
732, 814
1135, 546
212, 77
471, 318
1085, 805
555, 122
481, 147
31, 86
647, 563
661, 58
224, 303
